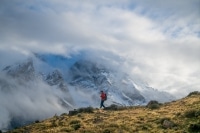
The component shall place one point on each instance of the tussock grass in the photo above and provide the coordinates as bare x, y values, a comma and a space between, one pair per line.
174, 117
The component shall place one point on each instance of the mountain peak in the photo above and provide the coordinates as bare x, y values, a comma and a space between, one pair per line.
24, 70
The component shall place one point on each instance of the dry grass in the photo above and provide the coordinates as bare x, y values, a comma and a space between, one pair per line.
129, 120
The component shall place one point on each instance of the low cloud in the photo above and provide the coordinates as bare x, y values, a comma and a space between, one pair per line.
28, 102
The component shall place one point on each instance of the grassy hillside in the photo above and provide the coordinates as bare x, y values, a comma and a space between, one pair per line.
181, 116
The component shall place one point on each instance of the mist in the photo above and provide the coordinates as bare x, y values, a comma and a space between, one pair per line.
28, 101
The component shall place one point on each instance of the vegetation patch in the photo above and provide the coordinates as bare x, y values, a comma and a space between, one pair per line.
75, 124
37, 121
114, 107
108, 130
192, 113
86, 110
194, 128
54, 124
81, 110
193, 93
65, 129
153, 104
145, 127
63, 114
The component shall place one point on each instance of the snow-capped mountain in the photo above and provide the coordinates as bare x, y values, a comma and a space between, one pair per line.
27, 94
87, 76
24, 70
64, 83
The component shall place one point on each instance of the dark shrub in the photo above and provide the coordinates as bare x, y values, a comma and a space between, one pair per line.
197, 113
65, 129
194, 128
192, 113
178, 114
106, 131
112, 107
194, 93
37, 121
74, 122
76, 126
153, 104
144, 127
86, 110
63, 114
73, 112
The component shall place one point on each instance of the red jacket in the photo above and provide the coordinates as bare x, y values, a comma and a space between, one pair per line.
103, 96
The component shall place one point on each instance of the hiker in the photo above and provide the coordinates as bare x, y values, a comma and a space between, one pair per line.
103, 98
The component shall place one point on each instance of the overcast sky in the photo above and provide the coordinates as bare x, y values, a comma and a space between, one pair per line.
159, 40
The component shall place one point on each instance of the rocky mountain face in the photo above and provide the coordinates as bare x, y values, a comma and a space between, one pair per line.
89, 77
77, 86
24, 71
55, 79
22, 79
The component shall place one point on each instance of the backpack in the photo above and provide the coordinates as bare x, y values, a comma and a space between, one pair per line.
105, 97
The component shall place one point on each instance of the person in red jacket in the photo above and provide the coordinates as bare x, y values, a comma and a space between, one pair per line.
103, 98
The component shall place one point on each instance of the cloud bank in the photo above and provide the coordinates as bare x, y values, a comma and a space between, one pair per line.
29, 101
159, 41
